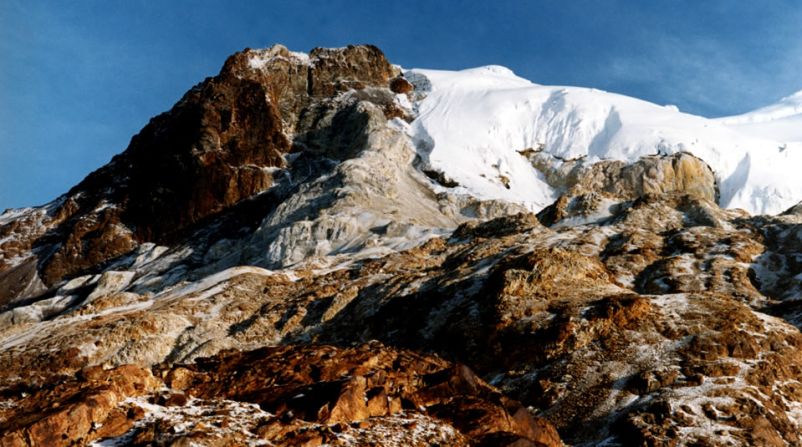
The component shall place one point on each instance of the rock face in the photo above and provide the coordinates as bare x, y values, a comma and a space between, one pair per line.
62, 411
219, 145
267, 264
221, 142
327, 385
288, 396
590, 190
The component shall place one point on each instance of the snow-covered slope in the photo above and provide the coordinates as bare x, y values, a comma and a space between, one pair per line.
473, 123
781, 121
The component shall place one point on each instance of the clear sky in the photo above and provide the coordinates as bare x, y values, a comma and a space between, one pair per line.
79, 78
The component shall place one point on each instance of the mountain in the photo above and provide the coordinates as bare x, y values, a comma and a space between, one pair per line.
474, 124
326, 248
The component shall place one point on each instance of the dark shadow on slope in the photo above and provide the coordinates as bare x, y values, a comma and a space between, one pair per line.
777, 271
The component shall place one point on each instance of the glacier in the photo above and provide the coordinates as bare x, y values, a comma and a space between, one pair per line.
473, 125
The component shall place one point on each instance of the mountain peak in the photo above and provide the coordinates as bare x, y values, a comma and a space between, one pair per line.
219, 145
290, 253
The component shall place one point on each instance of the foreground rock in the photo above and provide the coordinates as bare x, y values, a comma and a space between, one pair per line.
62, 411
288, 396
336, 386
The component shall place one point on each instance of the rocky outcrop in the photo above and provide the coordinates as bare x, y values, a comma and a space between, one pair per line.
62, 411
590, 190
330, 385
303, 396
352, 67
681, 172
219, 145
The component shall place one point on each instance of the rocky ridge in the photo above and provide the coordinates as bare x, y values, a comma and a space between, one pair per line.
272, 266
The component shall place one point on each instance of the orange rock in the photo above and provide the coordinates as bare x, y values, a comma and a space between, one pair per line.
86, 404
401, 85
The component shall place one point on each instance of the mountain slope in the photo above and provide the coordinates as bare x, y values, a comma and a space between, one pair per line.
781, 121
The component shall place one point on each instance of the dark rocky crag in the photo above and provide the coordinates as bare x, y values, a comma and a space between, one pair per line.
212, 150
632, 311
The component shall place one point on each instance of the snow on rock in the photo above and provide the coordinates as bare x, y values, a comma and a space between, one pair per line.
211, 281
218, 420
473, 124
259, 59
111, 282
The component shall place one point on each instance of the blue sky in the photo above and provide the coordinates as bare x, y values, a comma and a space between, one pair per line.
78, 79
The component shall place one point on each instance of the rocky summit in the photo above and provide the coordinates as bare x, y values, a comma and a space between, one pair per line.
281, 259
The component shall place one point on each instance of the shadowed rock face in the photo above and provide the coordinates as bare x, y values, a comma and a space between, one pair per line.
211, 151
390, 311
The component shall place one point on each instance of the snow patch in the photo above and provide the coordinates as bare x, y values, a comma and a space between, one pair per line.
259, 59
240, 416
209, 282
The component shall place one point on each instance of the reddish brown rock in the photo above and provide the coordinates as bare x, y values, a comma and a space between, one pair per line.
90, 242
61, 413
350, 405
355, 66
401, 85
211, 151
333, 385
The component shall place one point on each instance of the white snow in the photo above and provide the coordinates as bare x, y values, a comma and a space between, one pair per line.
304, 57
472, 123
781, 121
240, 416
12, 214
209, 282
260, 58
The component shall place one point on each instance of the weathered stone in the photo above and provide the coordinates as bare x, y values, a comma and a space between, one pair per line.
307, 382
590, 190
71, 411
335, 70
